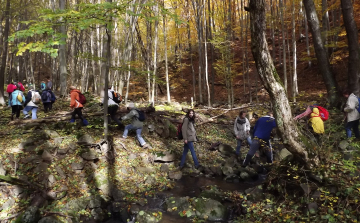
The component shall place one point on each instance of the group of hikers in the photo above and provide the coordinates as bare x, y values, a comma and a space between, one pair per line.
18, 101
260, 136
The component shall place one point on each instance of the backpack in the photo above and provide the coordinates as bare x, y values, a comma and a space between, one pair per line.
82, 99
10, 88
21, 86
43, 86
45, 96
141, 115
53, 97
19, 97
116, 97
35, 98
179, 132
324, 114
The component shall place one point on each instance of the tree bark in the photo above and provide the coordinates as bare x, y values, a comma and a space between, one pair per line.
352, 36
206, 61
283, 42
271, 81
321, 53
294, 76
5, 51
166, 60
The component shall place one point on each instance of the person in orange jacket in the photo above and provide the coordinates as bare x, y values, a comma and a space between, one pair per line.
76, 105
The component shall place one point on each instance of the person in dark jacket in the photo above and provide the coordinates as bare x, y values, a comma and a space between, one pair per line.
30, 103
262, 131
46, 100
136, 125
189, 135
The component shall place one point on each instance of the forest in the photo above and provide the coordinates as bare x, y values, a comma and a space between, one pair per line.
100, 102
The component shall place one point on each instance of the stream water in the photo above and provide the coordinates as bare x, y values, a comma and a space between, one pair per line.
192, 187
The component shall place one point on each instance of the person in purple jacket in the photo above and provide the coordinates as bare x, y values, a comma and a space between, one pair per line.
262, 131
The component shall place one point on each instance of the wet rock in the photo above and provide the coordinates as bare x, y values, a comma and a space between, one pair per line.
76, 205
306, 188
209, 209
60, 172
343, 145
312, 207
164, 157
148, 217
164, 168
86, 139
141, 201
42, 167
118, 195
226, 150
178, 204
8, 204
216, 170
90, 155
284, 154
2, 170
31, 215
17, 190
50, 219
255, 193
316, 178
77, 166
48, 146
51, 133
98, 214
26, 144
95, 201
134, 209
46, 156
226, 170
132, 156
244, 175
316, 194
175, 175
150, 180
348, 155
232, 179
212, 193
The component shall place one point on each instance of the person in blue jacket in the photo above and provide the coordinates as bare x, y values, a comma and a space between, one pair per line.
14, 102
262, 131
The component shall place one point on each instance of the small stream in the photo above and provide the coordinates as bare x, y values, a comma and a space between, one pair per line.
192, 187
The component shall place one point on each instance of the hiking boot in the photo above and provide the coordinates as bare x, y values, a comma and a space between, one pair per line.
12, 117
180, 168
146, 146
198, 167
85, 122
27, 116
72, 120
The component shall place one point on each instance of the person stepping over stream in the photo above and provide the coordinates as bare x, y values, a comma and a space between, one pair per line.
241, 130
189, 136
262, 131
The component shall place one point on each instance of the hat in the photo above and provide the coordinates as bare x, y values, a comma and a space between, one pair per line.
131, 105
72, 87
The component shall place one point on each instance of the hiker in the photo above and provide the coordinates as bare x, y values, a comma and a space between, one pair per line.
49, 83
262, 131
189, 136
46, 100
136, 124
19, 85
76, 105
316, 123
52, 99
42, 86
31, 100
241, 130
16, 98
113, 106
352, 114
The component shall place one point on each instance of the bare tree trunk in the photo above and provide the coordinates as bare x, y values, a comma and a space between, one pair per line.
206, 61
166, 61
294, 76
5, 51
321, 53
212, 55
307, 40
191, 56
62, 56
352, 36
272, 83
156, 11
283, 42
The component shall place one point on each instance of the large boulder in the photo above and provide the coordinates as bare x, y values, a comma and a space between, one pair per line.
90, 155
76, 205
226, 150
209, 209
175, 175
255, 193
148, 217
226, 170
31, 215
179, 204
344, 144
164, 157
284, 154
86, 139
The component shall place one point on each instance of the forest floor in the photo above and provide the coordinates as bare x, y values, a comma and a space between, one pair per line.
63, 172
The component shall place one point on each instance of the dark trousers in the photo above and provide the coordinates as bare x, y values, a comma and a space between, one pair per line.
77, 111
16, 110
354, 125
112, 113
47, 106
255, 145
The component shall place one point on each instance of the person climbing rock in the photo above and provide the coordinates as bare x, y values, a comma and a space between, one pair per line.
262, 131
136, 125
189, 136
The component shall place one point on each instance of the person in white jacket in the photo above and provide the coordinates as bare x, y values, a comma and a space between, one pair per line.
242, 130
112, 108
352, 115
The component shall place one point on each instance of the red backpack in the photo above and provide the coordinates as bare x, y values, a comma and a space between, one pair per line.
82, 99
324, 114
10, 88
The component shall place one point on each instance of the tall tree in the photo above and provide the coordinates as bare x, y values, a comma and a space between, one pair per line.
62, 56
352, 36
321, 53
271, 81
5, 51
166, 59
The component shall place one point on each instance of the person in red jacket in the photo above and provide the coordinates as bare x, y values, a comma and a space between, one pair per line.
76, 105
